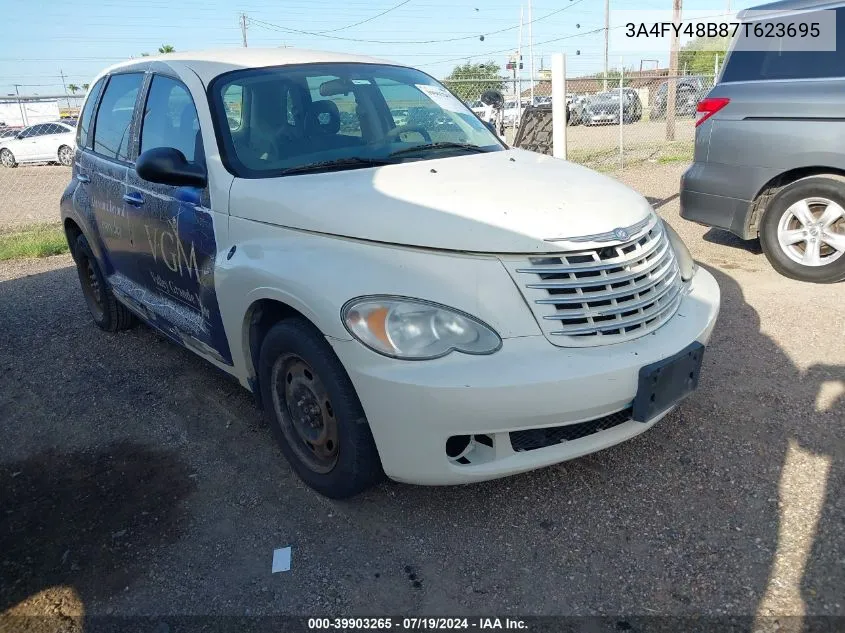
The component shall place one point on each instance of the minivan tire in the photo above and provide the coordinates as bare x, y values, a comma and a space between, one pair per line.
778, 216
106, 311
306, 391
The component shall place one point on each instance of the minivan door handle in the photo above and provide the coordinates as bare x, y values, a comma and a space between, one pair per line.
83, 178
135, 199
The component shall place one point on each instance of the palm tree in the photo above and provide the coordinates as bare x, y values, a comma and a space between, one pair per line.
145, 54
166, 48
73, 88
85, 87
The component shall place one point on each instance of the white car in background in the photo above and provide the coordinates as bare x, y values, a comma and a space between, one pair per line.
39, 143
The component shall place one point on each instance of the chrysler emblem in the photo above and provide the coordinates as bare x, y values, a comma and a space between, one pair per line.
620, 234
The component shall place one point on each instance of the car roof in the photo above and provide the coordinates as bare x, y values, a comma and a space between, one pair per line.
208, 64
786, 5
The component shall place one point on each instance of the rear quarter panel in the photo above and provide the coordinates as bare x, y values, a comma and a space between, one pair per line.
770, 127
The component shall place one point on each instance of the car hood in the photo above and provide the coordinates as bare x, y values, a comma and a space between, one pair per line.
499, 202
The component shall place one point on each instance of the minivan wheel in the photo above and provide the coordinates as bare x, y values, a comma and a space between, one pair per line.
803, 230
314, 412
65, 155
107, 312
7, 159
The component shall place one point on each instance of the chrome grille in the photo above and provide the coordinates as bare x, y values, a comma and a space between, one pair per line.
603, 295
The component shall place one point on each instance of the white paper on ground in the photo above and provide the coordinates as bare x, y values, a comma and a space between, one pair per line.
442, 97
281, 560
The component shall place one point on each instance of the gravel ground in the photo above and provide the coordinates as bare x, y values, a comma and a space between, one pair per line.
137, 479
30, 194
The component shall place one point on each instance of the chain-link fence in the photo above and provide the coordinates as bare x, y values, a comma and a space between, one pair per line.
601, 133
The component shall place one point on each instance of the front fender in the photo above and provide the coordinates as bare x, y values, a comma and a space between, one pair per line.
316, 274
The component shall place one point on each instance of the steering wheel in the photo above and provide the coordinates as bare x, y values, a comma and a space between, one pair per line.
393, 134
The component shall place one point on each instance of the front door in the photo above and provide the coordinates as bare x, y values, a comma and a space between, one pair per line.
175, 240
26, 148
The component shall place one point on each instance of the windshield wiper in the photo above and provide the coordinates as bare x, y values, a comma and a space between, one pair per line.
441, 145
353, 162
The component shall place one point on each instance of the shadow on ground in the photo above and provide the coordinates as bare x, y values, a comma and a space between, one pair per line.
733, 504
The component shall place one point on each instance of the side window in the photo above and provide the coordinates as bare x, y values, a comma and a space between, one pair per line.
32, 131
170, 119
233, 103
774, 63
87, 112
114, 116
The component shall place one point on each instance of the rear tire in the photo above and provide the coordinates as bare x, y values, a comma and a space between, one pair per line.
802, 231
65, 155
7, 159
314, 412
109, 314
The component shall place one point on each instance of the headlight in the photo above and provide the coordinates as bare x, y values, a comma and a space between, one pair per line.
413, 329
685, 261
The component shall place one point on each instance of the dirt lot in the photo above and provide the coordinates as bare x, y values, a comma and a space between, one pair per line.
136, 479
30, 194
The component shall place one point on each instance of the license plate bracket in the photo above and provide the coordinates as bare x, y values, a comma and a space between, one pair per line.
665, 383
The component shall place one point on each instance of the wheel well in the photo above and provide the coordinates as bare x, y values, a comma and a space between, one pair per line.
260, 317
72, 231
771, 188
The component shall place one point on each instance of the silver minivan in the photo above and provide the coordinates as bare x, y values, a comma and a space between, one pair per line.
769, 158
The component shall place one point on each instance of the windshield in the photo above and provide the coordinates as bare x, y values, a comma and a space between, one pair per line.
348, 115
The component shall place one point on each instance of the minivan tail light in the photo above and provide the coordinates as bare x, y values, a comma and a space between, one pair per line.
707, 107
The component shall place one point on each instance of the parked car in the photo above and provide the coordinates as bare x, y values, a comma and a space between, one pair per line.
40, 143
9, 132
576, 106
769, 161
688, 92
604, 107
393, 308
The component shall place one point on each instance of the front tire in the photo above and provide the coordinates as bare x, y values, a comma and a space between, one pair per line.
314, 412
108, 314
7, 159
803, 230
65, 155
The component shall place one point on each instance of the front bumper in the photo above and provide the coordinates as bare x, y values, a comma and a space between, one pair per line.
413, 408
597, 119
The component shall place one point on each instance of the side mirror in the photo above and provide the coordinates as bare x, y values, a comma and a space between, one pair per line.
490, 126
168, 166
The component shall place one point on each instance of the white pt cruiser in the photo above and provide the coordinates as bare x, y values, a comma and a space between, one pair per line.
412, 299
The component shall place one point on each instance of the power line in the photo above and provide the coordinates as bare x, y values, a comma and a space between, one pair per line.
276, 27
343, 28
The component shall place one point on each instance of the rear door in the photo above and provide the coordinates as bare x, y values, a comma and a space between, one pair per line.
110, 159
172, 275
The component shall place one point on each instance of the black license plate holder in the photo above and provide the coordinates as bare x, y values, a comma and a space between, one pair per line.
665, 383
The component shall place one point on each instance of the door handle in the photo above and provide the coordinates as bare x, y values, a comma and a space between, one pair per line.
135, 199
83, 178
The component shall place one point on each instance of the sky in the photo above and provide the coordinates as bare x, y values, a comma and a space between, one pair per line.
47, 38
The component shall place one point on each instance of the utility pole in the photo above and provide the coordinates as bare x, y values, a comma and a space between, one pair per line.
531, 51
20, 105
672, 79
67, 99
606, 37
243, 28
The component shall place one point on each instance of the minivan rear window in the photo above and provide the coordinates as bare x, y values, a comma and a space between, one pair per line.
774, 63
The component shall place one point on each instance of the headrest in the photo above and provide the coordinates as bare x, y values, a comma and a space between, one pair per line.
323, 118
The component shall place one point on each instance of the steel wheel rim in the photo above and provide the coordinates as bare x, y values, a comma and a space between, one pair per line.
91, 286
305, 413
6, 158
811, 232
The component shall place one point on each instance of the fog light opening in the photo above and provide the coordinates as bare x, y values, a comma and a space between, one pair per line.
457, 446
